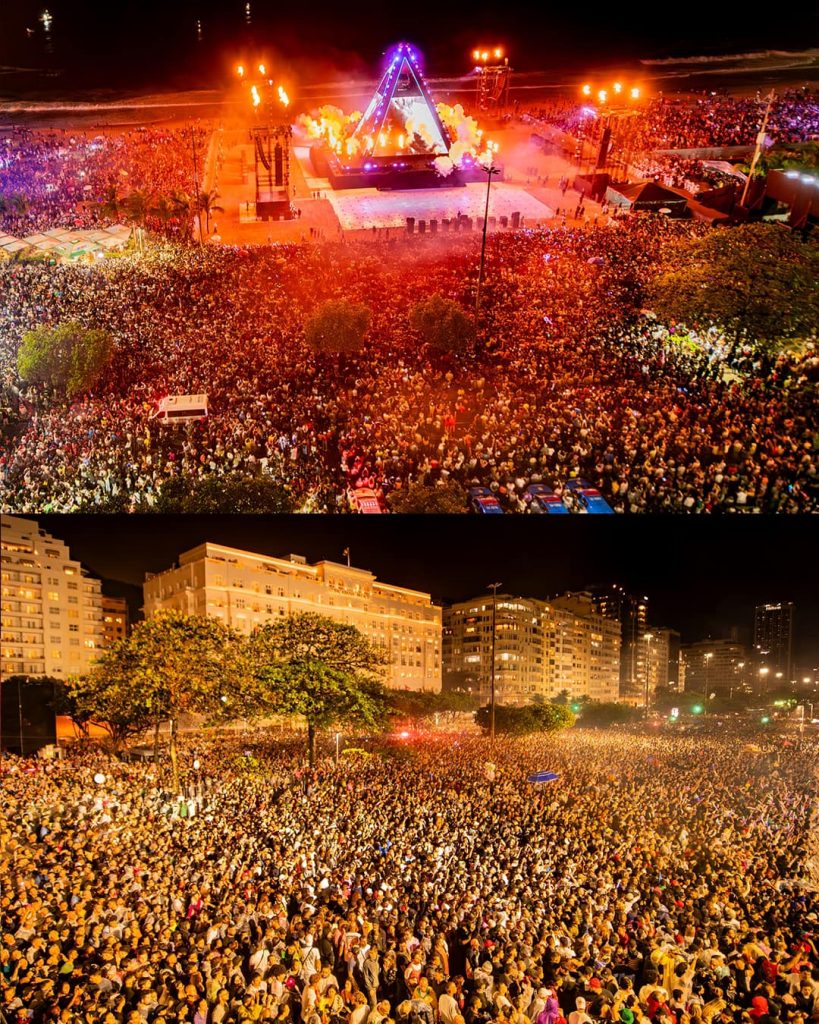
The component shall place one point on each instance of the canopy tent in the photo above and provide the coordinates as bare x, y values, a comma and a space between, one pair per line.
69, 244
647, 196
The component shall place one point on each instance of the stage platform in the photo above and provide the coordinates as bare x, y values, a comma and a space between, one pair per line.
368, 208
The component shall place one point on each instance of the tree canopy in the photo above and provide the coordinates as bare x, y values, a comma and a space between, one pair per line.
337, 325
233, 493
327, 671
68, 357
448, 498
526, 718
443, 324
758, 282
170, 664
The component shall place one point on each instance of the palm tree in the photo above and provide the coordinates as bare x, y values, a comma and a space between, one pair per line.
206, 203
137, 206
183, 205
163, 210
112, 206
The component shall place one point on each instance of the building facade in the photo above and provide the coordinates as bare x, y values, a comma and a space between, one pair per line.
722, 667
541, 648
52, 608
773, 641
631, 612
115, 619
245, 590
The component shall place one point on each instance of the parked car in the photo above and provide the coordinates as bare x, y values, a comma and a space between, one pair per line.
484, 502
542, 499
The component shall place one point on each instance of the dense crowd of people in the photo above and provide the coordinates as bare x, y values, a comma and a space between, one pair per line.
61, 178
659, 879
568, 380
696, 122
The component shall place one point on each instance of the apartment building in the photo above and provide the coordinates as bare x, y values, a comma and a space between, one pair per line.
245, 590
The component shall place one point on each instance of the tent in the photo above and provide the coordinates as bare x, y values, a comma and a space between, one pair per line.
647, 196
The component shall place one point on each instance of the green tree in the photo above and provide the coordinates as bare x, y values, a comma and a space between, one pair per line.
206, 202
758, 282
170, 665
326, 671
105, 697
234, 493
337, 326
68, 357
112, 206
443, 324
448, 498
526, 718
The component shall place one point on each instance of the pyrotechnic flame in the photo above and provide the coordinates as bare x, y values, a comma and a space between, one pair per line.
254, 92
443, 166
333, 125
285, 99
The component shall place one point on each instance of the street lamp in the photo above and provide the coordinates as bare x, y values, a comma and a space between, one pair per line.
707, 658
490, 170
762, 674
494, 588
648, 637
338, 738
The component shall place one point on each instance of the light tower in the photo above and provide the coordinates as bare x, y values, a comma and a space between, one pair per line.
493, 81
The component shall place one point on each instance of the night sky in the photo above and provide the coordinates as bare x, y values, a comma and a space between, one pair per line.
128, 43
702, 575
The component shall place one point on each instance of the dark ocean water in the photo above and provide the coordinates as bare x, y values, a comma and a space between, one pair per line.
61, 48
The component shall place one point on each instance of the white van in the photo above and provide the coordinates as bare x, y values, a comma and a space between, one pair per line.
182, 408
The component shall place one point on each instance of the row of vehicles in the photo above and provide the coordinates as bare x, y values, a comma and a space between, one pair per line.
578, 496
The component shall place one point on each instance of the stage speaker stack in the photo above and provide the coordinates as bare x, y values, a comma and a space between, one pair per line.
410, 225
493, 223
433, 227
504, 221
516, 220
422, 227
603, 153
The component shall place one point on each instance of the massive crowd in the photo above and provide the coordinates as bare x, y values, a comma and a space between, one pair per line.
66, 178
659, 880
696, 122
566, 381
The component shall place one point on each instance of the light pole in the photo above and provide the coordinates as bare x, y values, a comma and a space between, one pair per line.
760, 142
707, 658
338, 738
494, 588
762, 673
490, 170
648, 637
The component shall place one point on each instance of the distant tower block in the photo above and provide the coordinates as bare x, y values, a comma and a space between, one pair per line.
271, 155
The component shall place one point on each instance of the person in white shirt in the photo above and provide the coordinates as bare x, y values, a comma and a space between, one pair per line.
447, 1005
579, 1016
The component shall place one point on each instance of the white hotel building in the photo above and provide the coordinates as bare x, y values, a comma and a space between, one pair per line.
52, 609
245, 590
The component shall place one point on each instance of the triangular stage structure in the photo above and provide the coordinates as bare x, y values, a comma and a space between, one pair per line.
401, 119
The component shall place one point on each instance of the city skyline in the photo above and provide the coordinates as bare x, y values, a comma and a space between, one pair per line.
703, 579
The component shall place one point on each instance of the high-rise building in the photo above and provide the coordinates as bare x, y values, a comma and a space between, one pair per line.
115, 624
52, 607
773, 641
631, 611
541, 649
586, 647
716, 666
245, 590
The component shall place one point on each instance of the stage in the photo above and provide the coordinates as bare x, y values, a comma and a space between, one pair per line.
368, 208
